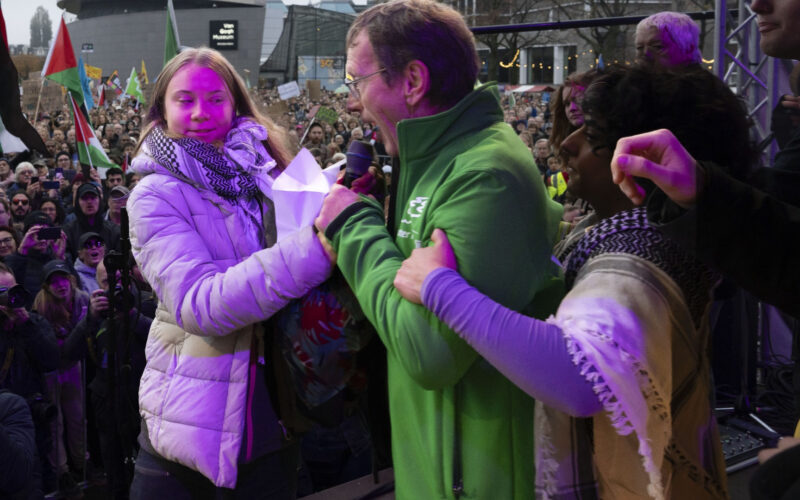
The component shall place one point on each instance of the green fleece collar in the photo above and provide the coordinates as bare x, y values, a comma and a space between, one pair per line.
421, 137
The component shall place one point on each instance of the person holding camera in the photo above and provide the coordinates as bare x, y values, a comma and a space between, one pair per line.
115, 405
40, 244
28, 350
61, 302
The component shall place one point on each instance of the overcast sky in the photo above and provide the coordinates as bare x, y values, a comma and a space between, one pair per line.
18, 14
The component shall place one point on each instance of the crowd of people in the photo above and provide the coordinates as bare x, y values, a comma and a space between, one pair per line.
505, 321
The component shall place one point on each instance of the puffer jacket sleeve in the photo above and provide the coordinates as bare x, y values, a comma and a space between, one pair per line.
206, 297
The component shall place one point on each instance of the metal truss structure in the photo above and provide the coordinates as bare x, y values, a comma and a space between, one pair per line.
738, 61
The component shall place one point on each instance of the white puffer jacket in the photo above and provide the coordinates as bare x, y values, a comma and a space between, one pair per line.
216, 282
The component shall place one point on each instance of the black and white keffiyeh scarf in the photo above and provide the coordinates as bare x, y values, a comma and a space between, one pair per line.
631, 233
238, 171
230, 171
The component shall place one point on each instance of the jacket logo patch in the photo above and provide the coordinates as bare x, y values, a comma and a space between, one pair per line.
417, 206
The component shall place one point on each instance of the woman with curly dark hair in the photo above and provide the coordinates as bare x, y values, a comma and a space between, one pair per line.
628, 345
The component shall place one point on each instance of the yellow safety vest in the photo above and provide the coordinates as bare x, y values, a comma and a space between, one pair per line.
558, 185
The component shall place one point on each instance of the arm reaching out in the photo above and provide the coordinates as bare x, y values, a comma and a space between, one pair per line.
531, 353
660, 157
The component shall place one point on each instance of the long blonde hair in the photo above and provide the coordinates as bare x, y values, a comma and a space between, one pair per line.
277, 144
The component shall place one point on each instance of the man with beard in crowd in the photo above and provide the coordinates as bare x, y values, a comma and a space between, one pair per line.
20, 208
316, 140
89, 219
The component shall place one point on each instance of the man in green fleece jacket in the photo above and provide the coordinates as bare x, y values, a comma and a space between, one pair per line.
459, 428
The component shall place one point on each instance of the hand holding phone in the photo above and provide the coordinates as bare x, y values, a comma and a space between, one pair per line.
49, 233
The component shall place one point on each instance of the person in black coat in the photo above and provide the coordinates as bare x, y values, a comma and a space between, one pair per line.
17, 440
28, 347
89, 219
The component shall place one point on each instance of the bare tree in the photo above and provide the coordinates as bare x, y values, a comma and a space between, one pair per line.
41, 28
610, 41
501, 12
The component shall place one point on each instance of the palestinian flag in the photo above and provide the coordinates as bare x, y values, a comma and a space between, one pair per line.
61, 65
101, 96
90, 151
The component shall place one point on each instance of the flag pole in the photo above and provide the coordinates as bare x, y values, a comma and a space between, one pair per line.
38, 100
307, 129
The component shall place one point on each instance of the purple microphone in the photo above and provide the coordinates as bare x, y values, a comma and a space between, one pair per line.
359, 158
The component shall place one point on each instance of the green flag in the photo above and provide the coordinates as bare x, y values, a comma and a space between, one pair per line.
171, 40
134, 88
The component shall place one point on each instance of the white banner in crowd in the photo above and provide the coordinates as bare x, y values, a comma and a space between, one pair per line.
288, 90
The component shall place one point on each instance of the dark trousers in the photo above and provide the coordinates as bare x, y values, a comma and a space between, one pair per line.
271, 477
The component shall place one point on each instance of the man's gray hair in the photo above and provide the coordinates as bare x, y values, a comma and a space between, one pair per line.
677, 30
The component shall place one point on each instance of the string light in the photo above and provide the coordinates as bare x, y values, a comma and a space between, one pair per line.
503, 65
534, 65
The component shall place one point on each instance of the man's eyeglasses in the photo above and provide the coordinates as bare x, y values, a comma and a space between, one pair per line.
352, 84
20, 202
6, 241
93, 244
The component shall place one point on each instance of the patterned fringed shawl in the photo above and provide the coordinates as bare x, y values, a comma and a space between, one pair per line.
634, 323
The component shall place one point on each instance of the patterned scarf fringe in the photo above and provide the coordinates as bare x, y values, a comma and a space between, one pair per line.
546, 464
611, 404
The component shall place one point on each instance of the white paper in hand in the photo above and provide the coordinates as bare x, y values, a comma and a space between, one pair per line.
298, 192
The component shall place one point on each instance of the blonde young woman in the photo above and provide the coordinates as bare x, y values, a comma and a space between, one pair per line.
203, 232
